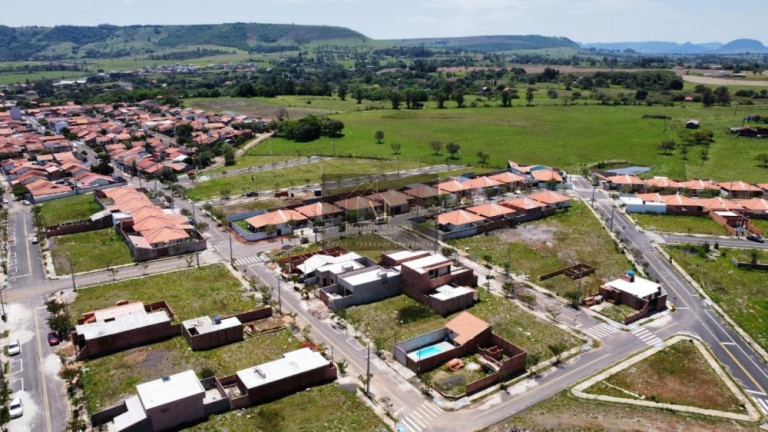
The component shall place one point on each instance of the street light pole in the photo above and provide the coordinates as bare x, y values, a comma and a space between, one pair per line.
279, 297
194, 218
231, 257
72, 269
613, 209
368, 373
2, 302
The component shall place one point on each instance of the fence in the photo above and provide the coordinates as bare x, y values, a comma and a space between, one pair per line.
244, 233
78, 226
749, 265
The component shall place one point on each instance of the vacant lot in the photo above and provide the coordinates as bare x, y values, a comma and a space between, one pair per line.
679, 374
327, 408
547, 245
680, 224
565, 136
565, 413
293, 176
455, 382
209, 290
370, 245
76, 207
411, 318
249, 160
91, 250
740, 292
295, 106
109, 379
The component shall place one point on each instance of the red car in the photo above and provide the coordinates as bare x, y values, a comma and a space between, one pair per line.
53, 338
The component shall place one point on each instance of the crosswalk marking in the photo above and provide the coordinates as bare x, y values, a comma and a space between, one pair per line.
601, 331
647, 337
247, 260
419, 418
763, 404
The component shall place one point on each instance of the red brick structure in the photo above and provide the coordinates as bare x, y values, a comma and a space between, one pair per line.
640, 294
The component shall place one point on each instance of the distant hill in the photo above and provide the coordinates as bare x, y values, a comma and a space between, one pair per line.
494, 43
106, 41
738, 46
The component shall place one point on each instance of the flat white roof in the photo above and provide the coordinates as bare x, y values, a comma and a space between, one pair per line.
121, 324
168, 389
726, 214
206, 325
427, 261
403, 254
316, 261
292, 363
447, 292
342, 267
372, 274
639, 288
134, 414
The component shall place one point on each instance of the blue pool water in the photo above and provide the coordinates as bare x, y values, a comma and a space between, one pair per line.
428, 351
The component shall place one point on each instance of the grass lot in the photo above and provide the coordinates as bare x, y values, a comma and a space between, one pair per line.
326, 408
294, 176
564, 136
91, 250
296, 106
547, 245
76, 207
109, 379
618, 312
209, 290
762, 225
380, 319
679, 224
249, 160
566, 413
740, 292
679, 375
258, 204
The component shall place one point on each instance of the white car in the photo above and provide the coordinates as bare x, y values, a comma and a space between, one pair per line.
15, 408
26, 202
14, 347
5, 200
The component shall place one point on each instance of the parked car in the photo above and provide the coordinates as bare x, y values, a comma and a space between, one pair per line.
35, 240
14, 347
5, 200
53, 338
26, 202
15, 408
251, 194
755, 238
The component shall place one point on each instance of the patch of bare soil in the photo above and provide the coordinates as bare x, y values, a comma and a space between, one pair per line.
136, 357
535, 235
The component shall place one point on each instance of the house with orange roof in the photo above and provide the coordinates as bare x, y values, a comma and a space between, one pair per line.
547, 178
321, 211
662, 185
719, 204
284, 221
359, 208
701, 187
455, 187
483, 183
756, 208
528, 209
458, 220
43, 190
462, 336
510, 180
625, 183
392, 201
682, 205
764, 187
740, 190
492, 211
422, 195
552, 199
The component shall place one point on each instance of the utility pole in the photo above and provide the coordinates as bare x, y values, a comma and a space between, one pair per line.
581, 275
613, 209
509, 258
2, 302
194, 218
368, 373
231, 257
71, 269
279, 297
593, 197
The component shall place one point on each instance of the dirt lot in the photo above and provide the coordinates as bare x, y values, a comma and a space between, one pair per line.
535, 236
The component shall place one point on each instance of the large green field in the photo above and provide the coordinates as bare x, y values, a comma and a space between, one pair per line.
564, 136
294, 176
68, 209
194, 292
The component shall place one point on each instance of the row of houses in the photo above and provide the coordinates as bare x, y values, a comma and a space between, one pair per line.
149, 230
633, 184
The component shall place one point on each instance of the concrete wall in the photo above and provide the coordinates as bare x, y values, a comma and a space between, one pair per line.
78, 226
254, 315
213, 339
451, 305
292, 384
143, 254
178, 412
122, 341
402, 348
106, 415
216, 407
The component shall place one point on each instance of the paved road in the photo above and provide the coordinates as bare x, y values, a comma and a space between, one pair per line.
731, 242
694, 315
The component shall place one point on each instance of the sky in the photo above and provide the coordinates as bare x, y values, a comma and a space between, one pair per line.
587, 21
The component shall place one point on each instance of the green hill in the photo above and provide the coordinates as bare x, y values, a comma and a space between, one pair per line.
495, 43
107, 41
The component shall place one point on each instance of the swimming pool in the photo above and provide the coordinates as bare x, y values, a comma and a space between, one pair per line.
429, 351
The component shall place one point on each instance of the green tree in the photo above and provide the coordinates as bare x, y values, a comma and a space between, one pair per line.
763, 159
395, 147
708, 98
229, 154
684, 150
557, 349
396, 99
458, 96
722, 96
436, 146
704, 154
483, 157
378, 136
666, 146
453, 148
529, 95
